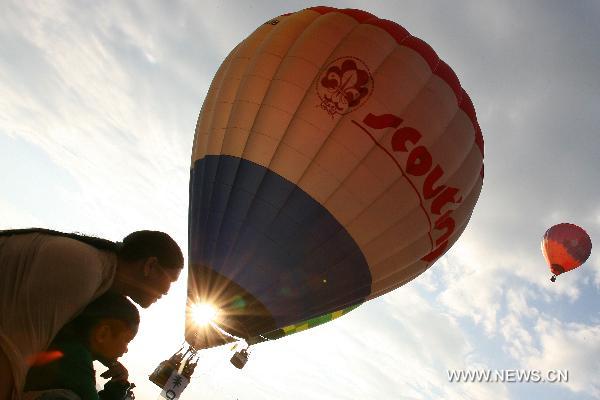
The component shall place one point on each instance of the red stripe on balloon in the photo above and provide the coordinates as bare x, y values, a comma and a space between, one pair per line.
467, 106
359, 15
393, 29
404, 38
444, 71
425, 50
325, 9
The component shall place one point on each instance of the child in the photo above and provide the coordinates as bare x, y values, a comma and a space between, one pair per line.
101, 332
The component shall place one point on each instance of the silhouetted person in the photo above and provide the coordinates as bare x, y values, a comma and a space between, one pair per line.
47, 278
101, 332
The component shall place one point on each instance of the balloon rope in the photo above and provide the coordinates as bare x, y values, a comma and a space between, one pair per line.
222, 331
218, 328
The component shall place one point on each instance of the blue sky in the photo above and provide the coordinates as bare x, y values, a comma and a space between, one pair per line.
97, 113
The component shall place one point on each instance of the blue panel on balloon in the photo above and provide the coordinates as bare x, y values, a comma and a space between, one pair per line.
267, 235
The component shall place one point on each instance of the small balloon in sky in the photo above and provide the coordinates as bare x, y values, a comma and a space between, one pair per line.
565, 247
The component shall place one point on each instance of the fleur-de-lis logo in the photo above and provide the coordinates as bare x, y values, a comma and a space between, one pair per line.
344, 85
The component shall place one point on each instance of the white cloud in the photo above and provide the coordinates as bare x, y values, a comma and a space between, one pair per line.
593, 263
516, 302
96, 118
13, 217
518, 342
478, 274
472, 290
429, 342
572, 347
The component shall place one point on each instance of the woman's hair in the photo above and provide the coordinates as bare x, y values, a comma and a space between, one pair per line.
136, 246
99, 243
109, 306
143, 244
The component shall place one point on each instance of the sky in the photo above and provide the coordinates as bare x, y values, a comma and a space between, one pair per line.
98, 105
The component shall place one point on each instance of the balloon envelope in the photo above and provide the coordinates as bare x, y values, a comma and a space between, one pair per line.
565, 247
335, 158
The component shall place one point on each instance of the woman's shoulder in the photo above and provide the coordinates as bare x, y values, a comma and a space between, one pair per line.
69, 254
70, 273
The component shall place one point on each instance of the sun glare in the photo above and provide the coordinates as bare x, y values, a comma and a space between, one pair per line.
203, 313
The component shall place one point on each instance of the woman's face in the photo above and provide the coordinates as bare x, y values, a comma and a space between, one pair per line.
155, 283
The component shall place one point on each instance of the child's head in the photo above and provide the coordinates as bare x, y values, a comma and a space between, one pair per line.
107, 325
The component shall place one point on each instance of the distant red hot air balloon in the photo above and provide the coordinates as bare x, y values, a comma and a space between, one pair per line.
565, 247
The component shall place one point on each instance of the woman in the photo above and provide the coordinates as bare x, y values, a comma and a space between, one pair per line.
48, 277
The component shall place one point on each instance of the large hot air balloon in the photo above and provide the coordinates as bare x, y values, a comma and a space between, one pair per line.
335, 158
565, 247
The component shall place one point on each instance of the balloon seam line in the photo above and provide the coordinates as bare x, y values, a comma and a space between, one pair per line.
403, 174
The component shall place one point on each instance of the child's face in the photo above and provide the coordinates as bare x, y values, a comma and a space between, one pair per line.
111, 341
